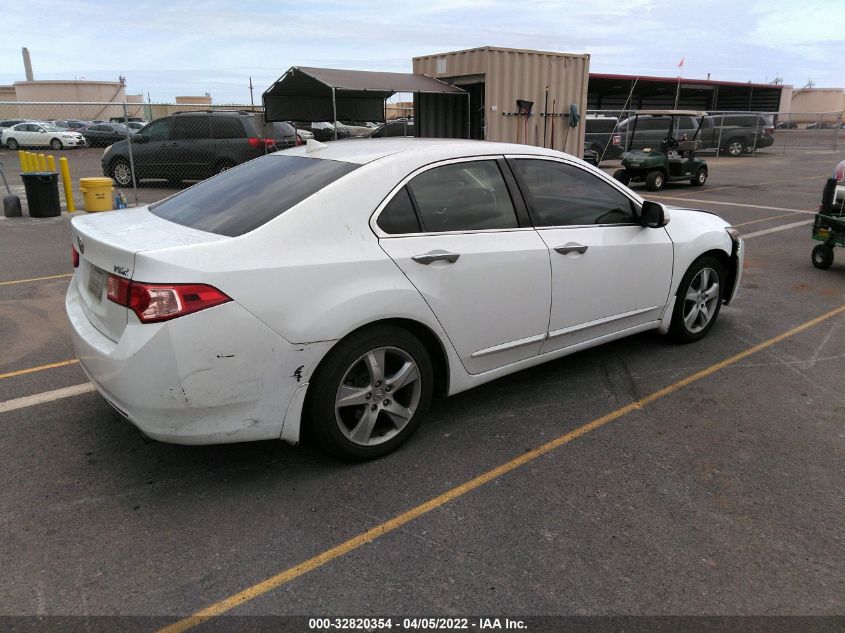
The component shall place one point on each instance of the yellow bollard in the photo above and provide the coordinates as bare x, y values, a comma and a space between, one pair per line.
22, 158
42, 162
33, 162
26, 163
63, 166
51, 163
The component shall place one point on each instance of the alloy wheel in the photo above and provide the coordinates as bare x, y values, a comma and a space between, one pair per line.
378, 396
701, 299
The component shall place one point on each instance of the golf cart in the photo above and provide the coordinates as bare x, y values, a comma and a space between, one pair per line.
672, 161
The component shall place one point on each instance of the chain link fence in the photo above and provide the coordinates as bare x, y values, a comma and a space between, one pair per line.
151, 150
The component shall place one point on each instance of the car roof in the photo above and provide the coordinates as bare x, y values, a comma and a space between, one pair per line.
367, 150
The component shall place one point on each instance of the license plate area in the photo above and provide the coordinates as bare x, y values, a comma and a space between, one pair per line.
96, 282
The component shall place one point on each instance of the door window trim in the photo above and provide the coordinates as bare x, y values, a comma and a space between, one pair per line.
519, 211
635, 199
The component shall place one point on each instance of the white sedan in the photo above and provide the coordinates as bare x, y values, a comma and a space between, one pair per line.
38, 134
342, 286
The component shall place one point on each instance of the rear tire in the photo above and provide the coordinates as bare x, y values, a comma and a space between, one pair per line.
223, 165
655, 181
700, 177
370, 393
822, 256
12, 144
622, 176
698, 300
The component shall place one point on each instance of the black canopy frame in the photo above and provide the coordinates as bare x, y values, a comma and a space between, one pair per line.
329, 94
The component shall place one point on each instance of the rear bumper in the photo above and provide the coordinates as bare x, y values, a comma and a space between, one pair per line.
216, 376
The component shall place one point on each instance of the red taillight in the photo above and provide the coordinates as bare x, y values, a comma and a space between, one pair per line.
74, 256
161, 302
298, 141
261, 142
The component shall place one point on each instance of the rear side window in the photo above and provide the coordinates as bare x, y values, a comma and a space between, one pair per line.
468, 196
226, 127
247, 196
399, 215
191, 127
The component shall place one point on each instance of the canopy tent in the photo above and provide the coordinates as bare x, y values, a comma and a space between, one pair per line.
328, 94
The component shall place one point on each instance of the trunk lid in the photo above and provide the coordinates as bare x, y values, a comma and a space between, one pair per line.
107, 244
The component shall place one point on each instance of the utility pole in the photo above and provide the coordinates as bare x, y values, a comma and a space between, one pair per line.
251, 101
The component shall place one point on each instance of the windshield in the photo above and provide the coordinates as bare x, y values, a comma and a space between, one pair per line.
51, 128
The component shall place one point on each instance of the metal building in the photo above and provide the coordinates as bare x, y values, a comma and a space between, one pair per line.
496, 78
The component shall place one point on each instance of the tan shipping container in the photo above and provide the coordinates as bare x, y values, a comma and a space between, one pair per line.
497, 77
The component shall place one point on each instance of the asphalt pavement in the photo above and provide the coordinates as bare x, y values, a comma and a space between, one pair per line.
684, 480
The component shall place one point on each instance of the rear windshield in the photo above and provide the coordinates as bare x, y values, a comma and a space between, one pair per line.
247, 196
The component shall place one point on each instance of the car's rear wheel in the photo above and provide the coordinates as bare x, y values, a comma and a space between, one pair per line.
823, 256
121, 172
622, 176
370, 393
734, 147
56, 144
700, 177
655, 181
698, 300
12, 144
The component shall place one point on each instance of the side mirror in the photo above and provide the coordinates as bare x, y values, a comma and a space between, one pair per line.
653, 215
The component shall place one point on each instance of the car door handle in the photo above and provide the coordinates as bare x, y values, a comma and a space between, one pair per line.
436, 256
571, 248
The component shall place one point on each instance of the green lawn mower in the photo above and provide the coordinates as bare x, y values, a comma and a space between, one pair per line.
672, 161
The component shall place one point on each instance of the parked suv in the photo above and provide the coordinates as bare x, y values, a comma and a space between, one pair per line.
601, 134
187, 146
734, 134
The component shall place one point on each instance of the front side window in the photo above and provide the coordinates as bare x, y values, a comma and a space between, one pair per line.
159, 130
563, 195
469, 196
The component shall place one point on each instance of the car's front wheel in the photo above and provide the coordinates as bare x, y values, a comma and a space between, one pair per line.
121, 172
698, 300
56, 144
370, 393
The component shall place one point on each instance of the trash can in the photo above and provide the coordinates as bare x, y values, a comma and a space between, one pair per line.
97, 193
42, 194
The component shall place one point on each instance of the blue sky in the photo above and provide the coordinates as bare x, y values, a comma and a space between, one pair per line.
169, 48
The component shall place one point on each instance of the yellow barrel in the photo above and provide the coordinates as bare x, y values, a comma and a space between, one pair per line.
97, 193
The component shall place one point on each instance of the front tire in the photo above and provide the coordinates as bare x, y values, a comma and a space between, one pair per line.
56, 144
655, 181
622, 176
734, 147
121, 172
698, 300
12, 144
370, 393
822, 256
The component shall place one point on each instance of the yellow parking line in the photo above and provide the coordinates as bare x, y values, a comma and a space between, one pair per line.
774, 217
250, 593
24, 281
31, 370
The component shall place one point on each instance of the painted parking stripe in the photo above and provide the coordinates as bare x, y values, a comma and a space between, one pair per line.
774, 217
734, 204
286, 576
775, 229
31, 279
30, 370
47, 396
